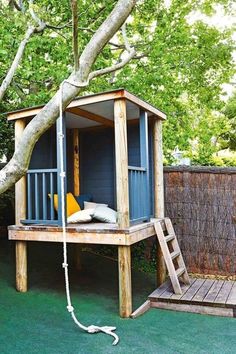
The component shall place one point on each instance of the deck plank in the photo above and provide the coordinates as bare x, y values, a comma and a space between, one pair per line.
192, 290
160, 290
213, 292
167, 293
202, 292
184, 289
224, 292
232, 296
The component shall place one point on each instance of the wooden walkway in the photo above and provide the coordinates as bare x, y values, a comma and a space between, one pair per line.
204, 296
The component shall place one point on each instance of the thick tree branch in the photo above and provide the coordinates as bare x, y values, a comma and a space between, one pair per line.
39, 27
7, 81
18, 165
40, 24
114, 67
131, 54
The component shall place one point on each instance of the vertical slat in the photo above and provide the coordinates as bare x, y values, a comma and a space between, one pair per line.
44, 191
52, 196
136, 195
130, 194
36, 196
133, 194
29, 216
143, 199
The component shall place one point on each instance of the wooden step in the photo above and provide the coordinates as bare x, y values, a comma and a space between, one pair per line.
169, 238
180, 271
174, 254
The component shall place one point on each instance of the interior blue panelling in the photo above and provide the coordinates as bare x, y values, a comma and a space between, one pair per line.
44, 153
133, 145
97, 165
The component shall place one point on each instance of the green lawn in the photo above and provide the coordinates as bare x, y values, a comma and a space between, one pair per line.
37, 321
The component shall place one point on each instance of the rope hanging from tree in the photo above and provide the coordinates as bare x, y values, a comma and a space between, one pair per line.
90, 329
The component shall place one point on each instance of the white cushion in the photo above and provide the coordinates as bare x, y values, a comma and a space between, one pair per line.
90, 205
105, 214
81, 216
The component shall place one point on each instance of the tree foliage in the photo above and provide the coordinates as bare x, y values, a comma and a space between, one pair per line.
230, 135
180, 65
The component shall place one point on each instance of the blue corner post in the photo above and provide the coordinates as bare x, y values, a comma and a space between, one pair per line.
144, 159
59, 162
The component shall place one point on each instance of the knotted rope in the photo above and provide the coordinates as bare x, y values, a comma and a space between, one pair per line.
90, 329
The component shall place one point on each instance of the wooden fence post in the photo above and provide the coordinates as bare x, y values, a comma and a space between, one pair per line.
20, 213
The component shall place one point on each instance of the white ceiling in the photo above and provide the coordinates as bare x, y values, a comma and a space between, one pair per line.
104, 109
74, 121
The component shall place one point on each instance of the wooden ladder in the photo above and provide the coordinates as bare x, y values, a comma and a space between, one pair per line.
172, 255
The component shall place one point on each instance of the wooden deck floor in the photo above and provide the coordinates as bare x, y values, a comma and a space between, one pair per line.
91, 233
206, 296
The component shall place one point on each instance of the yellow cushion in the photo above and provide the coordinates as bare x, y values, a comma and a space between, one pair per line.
71, 203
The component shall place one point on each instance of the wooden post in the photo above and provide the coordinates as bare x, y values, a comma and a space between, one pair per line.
76, 173
125, 287
76, 170
122, 197
158, 192
20, 213
121, 153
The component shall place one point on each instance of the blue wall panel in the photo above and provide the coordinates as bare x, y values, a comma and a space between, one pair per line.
44, 153
133, 145
97, 165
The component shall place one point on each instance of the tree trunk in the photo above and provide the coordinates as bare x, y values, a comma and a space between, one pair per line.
18, 165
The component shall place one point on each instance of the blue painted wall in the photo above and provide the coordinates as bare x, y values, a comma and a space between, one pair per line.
44, 153
133, 145
97, 160
97, 165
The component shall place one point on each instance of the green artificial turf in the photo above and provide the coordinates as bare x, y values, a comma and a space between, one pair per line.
38, 322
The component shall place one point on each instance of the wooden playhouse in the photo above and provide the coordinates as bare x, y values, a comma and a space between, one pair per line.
111, 142
112, 150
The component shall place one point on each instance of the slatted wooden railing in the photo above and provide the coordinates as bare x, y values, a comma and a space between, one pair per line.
40, 208
139, 200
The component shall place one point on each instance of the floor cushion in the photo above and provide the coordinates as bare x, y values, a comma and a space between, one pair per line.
105, 214
81, 216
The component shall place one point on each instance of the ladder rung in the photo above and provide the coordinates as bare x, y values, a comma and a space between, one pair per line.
169, 237
174, 254
180, 271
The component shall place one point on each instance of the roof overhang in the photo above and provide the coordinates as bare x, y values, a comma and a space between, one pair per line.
91, 100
